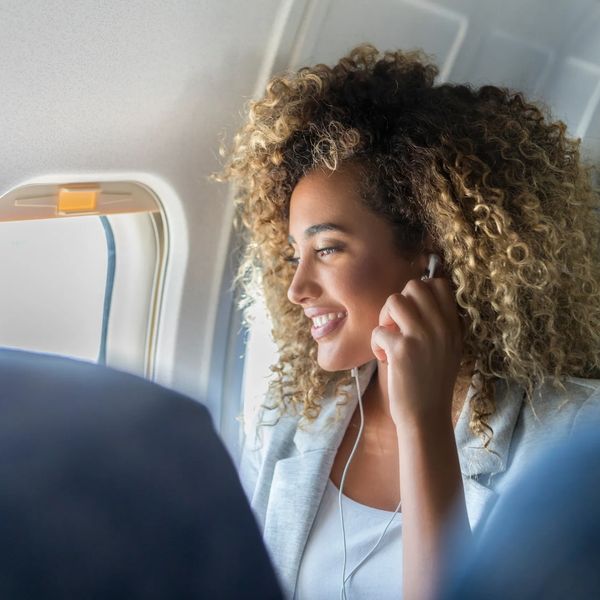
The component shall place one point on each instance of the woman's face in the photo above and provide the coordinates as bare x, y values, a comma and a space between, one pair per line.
347, 266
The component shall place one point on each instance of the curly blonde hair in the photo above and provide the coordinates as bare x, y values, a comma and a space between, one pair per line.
498, 186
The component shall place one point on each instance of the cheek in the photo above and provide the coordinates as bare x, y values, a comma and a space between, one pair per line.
367, 286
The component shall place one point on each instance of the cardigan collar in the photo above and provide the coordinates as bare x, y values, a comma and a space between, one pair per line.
474, 458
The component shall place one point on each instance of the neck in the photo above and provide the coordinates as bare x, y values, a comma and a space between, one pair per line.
376, 397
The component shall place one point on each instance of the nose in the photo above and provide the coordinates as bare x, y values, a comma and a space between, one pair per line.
304, 287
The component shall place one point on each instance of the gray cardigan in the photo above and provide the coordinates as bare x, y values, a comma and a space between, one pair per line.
285, 467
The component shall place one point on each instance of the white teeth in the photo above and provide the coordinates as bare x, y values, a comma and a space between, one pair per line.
322, 319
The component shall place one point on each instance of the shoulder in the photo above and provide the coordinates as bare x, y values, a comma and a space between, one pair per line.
552, 406
580, 389
553, 415
588, 410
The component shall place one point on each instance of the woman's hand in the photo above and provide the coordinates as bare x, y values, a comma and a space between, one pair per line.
420, 337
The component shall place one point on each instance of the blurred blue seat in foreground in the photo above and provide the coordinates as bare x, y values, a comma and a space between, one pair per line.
543, 539
114, 487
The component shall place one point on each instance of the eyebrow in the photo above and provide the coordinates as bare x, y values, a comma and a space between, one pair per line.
319, 228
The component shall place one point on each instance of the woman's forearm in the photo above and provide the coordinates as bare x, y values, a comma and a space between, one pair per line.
432, 492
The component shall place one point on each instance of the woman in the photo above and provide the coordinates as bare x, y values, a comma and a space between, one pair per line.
351, 180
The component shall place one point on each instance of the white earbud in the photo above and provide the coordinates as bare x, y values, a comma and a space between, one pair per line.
434, 261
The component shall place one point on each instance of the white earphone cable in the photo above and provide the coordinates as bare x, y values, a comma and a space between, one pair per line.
360, 430
345, 577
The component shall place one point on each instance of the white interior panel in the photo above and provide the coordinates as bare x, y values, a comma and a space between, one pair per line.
389, 24
511, 61
570, 93
528, 46
591, 141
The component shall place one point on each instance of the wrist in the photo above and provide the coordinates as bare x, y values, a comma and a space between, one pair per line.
433, 422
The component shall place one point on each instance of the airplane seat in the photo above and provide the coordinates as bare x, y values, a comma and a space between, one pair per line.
114, 487
543, 537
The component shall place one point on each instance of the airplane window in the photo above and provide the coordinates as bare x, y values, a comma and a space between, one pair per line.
85, 286
260, 353
54, 286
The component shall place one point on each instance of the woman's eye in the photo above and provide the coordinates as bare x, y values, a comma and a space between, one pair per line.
295, 260
326, 251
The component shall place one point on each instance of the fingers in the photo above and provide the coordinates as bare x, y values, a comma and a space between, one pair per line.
398, 312
425, 310
382, 341
414, 311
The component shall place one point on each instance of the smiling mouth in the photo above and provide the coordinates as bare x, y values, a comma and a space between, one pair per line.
324, 324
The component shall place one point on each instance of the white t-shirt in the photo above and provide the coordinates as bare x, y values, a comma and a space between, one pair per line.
379, 577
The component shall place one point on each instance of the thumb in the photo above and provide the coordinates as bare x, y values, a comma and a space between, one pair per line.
381, 342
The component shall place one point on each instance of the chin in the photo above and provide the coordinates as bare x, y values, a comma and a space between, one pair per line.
333, 368
331, 364
334, 364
